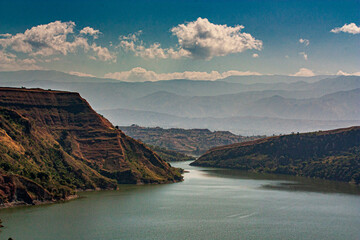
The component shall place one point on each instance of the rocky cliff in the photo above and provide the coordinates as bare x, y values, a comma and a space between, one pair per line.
53, 143
333, 155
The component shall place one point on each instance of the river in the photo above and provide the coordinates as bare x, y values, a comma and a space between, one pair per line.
208, 204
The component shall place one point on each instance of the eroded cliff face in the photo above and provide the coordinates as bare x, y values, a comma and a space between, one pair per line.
56, 140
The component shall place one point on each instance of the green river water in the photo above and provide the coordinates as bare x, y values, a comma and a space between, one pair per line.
209, 204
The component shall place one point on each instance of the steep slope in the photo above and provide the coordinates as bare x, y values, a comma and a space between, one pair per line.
55, 141
331, 155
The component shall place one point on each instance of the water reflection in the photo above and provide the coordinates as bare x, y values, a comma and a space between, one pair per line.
277, 181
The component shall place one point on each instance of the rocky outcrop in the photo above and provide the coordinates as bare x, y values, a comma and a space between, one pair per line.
17, 190
56, 140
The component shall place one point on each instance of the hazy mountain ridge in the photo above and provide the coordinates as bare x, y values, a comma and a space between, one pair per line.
188, 141
247, 126
302, 103
334, 106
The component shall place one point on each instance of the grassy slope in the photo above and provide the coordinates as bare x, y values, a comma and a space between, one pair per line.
333, 155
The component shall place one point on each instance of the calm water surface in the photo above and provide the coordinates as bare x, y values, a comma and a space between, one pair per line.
209, 204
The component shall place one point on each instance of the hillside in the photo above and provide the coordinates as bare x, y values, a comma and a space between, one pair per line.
53, 143
188, 141
333, 155
170, 155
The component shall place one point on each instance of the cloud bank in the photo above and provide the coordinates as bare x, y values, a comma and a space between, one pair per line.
199, 39
347, 74
9, 62
55, 38
139, 74
304, 72
81, 74
347, 28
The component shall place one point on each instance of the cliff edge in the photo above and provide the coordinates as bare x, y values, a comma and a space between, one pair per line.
53, 143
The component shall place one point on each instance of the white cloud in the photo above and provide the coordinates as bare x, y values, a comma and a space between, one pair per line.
348, 74
139, 74
103, 53
198, 39
5, 35
305, 56
304, 72
306, 42
45, 40
205, 40
347, 28
55, 38
81, 74
90, 31
52, 59
131, 43
9, 62
255, 55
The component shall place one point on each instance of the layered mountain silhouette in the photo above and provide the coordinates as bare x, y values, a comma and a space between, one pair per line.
245, 105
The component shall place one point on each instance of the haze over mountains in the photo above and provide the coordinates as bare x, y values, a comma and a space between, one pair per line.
270, 105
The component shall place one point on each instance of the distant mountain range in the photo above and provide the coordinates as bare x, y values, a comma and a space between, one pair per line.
243, 104
247, 126
189, 141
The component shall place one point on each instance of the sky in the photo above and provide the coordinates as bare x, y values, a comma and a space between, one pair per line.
201, 40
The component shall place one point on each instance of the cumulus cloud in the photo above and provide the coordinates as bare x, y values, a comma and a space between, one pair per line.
347, 74
305, 56
199, 39
306, 42
45, 40
90, 31
205, 40
5, 35
103, 53
304, 72
81, 74
55, 38
9, 62
131, 43
139, 74
347, 28
255, 55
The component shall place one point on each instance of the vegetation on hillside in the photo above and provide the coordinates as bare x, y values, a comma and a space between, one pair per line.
53, 143
333, 155
188, 141
170, 155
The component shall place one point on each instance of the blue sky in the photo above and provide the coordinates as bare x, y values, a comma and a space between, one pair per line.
274, 47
